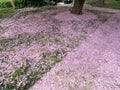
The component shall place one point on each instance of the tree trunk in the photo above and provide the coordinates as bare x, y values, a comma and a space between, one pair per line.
77, 8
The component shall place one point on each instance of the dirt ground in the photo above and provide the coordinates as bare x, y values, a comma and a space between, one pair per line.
87, 44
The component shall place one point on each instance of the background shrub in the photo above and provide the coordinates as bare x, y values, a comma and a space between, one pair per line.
22, 3
29, 3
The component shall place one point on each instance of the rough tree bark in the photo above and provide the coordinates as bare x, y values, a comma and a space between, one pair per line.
78, 5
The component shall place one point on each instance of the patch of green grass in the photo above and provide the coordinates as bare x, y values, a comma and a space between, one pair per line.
90, 1
28, 75
101, 16
12, 83
4, 3
25, 38
15, 41
20, 74
5, 8
55, 57
70, 45
38, 10
4, 12
4, 42
115, 4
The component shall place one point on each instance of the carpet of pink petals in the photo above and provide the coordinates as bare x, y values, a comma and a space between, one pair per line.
94, 63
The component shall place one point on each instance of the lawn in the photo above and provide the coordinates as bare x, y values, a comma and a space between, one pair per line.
5, 8
115, 4
4, 12
4, 3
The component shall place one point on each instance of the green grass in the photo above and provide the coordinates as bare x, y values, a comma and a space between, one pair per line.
115, 4
91, 1
5, 8
4, 3
4, 12
31, 75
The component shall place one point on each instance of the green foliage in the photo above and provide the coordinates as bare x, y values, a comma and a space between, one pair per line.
29, 3
22, 3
